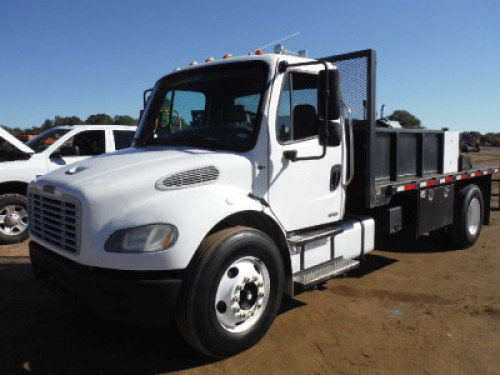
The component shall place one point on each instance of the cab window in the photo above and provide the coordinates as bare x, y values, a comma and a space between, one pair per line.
298, 108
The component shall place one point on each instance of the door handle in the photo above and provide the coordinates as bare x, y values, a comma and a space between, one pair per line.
335, 177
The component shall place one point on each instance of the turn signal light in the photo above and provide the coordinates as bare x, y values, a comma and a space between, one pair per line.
227, 56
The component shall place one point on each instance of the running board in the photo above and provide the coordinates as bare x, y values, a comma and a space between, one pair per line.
323, 272
303, 237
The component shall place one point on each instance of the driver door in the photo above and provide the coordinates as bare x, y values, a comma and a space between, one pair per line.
306, 193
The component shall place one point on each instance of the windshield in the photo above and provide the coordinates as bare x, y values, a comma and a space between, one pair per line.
213, 108
44, 140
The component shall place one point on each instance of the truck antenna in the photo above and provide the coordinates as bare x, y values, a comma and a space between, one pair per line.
280, 40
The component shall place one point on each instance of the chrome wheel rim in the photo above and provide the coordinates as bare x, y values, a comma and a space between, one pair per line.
13, 220
474, 216
242, 294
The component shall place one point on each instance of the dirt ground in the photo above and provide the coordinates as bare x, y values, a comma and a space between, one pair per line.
419, 308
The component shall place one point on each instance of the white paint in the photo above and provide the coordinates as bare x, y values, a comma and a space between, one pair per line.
451, 151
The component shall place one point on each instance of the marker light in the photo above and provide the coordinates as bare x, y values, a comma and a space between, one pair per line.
258, 52
227, 56
209, 59
193, 63
176, 69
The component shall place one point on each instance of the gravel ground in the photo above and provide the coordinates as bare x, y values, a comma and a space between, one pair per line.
418, 308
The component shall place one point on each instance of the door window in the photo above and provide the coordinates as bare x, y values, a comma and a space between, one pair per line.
86, 143
123, 138
298, 109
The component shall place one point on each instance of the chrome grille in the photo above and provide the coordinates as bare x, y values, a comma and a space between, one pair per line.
55, 222
188, 178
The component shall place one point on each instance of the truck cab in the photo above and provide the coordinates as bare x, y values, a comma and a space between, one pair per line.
21, 163
236, 191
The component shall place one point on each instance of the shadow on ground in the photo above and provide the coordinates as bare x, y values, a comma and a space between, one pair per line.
40, 334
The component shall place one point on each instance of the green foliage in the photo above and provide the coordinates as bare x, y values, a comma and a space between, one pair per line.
99, 119
73, 120
406, 119
125, 120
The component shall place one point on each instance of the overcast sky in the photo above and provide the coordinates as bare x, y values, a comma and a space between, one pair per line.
440, 60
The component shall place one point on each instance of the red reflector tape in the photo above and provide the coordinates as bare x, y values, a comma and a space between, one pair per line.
489, 171
464, 176
448, 179
431, 183
477, 174
497, 170
410, 187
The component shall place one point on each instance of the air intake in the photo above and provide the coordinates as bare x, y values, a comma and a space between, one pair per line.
193, 177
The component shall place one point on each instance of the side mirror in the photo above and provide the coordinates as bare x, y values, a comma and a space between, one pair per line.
335, 97
334, 137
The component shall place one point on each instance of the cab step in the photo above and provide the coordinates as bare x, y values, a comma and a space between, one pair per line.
323, 272
302, 237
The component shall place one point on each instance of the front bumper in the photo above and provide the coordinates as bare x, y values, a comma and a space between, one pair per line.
143, 297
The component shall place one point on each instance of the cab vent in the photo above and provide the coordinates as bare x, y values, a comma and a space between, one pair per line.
181, 180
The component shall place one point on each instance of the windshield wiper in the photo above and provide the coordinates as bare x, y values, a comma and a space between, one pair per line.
188, 140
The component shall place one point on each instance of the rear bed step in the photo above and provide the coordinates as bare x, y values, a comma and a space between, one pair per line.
323, 272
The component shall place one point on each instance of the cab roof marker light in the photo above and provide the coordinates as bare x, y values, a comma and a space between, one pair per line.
259, 52
192, 63
209, 59
227, 56
176, 69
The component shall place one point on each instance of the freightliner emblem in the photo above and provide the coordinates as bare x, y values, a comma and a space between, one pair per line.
49, 189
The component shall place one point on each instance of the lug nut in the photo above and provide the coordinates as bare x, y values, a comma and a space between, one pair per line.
246, 279
235, 298
255, 278
259, 305
239, 287
260, 283
261, 294
236, 308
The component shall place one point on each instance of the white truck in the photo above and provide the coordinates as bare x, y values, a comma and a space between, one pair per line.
21, 163
266, 188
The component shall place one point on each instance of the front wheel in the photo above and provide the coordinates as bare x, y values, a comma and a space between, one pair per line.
232, 293
13, 218
468, 219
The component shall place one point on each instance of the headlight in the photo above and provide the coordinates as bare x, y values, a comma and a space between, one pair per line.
144, 239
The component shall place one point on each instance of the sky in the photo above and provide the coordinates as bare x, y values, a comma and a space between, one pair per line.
439, 60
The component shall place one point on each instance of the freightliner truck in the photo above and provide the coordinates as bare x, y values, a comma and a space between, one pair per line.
277, 180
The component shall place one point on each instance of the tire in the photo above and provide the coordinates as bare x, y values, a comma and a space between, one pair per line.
236, 272
13, 218
468, 217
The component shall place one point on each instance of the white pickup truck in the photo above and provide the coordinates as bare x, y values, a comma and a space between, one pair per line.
21, 163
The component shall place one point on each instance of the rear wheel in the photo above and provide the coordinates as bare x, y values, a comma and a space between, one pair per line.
233, 292
13, 218
468, 219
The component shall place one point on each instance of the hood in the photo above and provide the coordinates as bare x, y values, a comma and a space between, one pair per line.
16, 143
131, 168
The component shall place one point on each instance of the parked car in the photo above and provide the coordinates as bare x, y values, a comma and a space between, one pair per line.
21, 163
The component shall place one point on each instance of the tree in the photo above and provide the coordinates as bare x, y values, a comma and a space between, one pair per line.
99, 119
73, 120
125, 120
406, 119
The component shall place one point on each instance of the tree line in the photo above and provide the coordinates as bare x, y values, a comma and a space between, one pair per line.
97, 119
